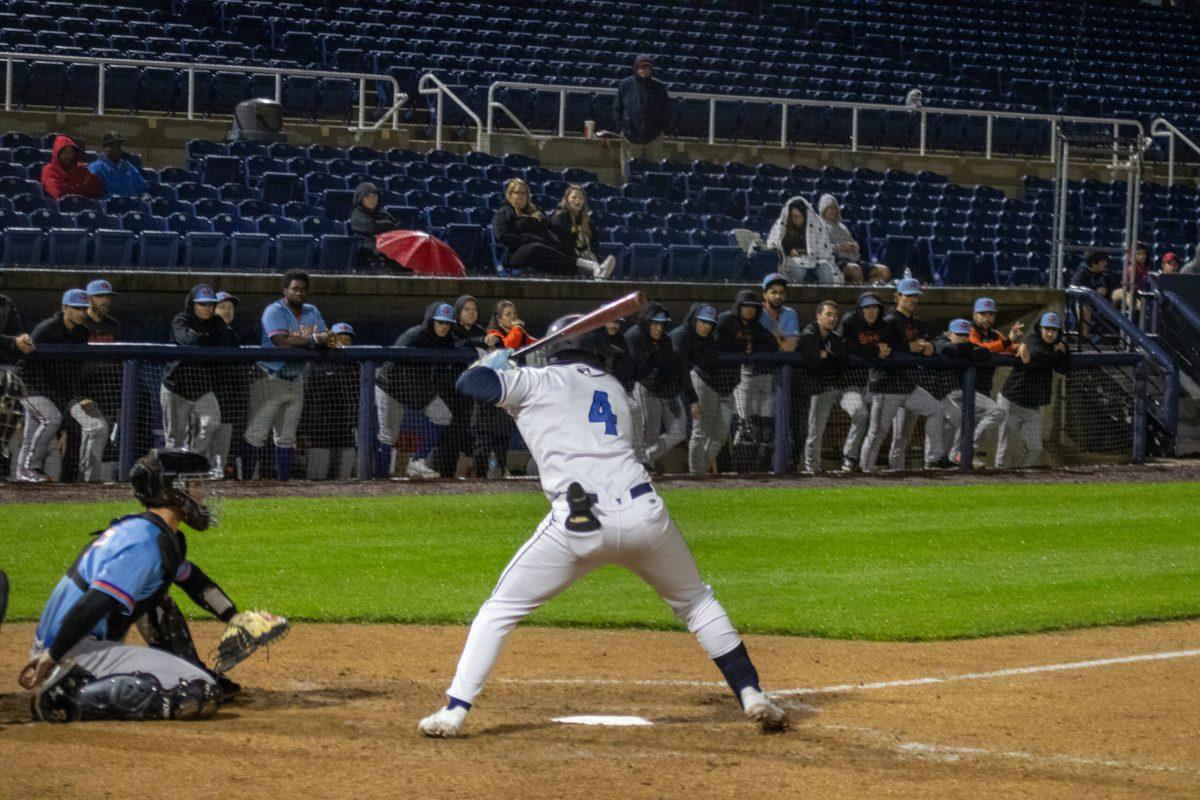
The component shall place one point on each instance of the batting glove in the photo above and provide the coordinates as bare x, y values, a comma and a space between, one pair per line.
497, 360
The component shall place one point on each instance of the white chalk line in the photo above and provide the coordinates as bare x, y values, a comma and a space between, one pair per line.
951, 754
862, 687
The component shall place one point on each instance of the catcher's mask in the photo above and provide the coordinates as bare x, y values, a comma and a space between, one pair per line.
12, 391
179, 479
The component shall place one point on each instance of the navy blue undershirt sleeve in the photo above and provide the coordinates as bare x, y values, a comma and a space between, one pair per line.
481, 384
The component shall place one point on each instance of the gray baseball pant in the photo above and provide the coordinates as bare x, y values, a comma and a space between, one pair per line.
42, 421
93, 441
178, 413
988, 417
219, 444
712, 429
319, 463
885, 412
851, 401
754, 396
115, 658
390, 415
663, 424
1020, 424
275, 406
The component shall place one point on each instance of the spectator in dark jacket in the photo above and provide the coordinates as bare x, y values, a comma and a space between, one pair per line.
367, 220
188, 393
533, 244
1027, 390
659, 423
120, 176
825, 361
642, 106
50, 387
469, 333
329, 421
696, 347
67, 174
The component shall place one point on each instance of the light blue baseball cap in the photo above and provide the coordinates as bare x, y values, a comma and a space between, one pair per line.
869, 299
204, 294
223, 296
774, 277
1050, 320
76, 298
909, 287
444, 313
660, 316
706, 314
343, 327
960, 326
984, 305
99, 287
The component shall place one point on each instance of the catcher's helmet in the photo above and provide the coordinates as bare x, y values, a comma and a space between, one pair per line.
587, 346
162, 477
12, 391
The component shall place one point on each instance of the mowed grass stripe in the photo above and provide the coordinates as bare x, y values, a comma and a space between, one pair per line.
897, 563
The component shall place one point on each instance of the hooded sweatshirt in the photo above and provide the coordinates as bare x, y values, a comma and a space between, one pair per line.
619, 363
993, 341
860, 337
192, 380
121, 178
696, 353
365, 224
836, 234
58, 182
654, 359
810, 241
1028, 385
641, 107
961, 351
473, 336
824, 373
416, 384
735, 335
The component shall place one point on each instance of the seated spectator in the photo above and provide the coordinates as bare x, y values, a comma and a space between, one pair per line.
1192, 267
1136, 274
1093, 275
574, 223
120, 176
366, 221
642, 105
1027, 390
67, 174
1169, 265
840, 247
533, 244
796, 234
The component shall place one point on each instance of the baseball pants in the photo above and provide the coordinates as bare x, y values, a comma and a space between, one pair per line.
178, 413
637, 534
390, 415
754, 396
988, 417
114, 658
275, 407
851, 401
42, 421
219, 444
1022, 425
712, 429
663, 424
94, 440
320, 461
885, 413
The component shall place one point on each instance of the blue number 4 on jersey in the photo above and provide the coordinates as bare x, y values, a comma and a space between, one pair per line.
601, 411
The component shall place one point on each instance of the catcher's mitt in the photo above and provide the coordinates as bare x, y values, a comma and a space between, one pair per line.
247, 631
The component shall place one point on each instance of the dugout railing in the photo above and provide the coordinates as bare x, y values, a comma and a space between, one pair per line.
1098, 411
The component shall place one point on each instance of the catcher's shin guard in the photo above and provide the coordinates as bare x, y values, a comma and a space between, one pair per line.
132, 696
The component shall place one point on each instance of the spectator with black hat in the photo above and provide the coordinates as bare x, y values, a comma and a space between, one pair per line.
642, 106
119, 174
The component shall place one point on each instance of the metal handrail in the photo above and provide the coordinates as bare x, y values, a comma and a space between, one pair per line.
1163, 129
442, 90
192, 67
785, 103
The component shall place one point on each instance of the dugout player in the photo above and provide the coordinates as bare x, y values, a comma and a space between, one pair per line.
575, 419
1027, 389
739, 329
862, 333
824, 355
330, 420
14, 342
659, 423
988, 415
191, 413
79, 667
708, 387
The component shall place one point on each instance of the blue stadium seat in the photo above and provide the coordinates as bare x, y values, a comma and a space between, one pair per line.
68, 247
467, 241
72, 204
274, 226
338, 203
685, 262
191, 192
158, 249
200, 149
249, 252
319, 225
210, 208
252, 209
204, 251
725, 263
294, 251
113, 248
30, 203
136, 222
23, 247
645, 261
337, 253
91, 220
228, 224
182, 223
237, 192
46, 219
279, 188
299, 210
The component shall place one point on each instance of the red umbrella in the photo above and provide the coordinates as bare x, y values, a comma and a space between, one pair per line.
421, 253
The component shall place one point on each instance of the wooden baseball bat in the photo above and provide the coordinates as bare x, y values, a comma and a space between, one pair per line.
621, 307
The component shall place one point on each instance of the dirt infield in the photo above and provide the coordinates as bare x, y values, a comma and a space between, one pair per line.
332, 714
1156, 472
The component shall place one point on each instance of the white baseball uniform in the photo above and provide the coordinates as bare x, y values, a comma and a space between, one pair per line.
576, 421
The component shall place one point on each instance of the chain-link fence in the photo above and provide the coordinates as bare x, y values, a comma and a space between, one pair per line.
366, 412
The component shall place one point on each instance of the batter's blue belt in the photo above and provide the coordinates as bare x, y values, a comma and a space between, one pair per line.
634, 493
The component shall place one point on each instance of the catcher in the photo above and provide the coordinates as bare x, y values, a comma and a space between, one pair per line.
80, 669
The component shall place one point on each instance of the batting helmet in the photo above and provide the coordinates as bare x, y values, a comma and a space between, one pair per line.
587, 346
164, 477
12, 391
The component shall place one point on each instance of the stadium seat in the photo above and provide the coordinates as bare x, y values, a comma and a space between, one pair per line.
158, 249
336, 253
249, 252
645, 262
725, 263
23, 247
68, 247
294, 251
113, 248
685, 262
204, 251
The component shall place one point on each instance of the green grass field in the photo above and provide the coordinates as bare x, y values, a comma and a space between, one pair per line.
899, 563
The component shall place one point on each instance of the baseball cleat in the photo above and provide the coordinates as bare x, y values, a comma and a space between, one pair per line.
445, 723
758, 707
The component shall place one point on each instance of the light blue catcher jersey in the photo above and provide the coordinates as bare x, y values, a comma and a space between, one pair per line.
124, 562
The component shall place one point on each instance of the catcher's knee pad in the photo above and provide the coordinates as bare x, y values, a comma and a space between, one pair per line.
135, 696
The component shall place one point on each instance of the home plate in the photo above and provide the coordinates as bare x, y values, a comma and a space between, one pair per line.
597, 719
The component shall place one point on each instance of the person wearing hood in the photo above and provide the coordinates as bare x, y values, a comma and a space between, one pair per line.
896, 389
740, 330
231, 383
840, 246
862, 332
696, 345
67, 174
533, 244
799, 235
368, 220
656, 394
642, 105
49, 387
188, 394
1192, 267
120, 176
1028, 389
469, 333
421, 386
619, 363
331, 412
824, 355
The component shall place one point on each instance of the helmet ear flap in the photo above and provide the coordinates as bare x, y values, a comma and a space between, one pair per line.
146, 477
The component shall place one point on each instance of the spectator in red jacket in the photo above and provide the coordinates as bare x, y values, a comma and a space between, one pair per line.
67, 174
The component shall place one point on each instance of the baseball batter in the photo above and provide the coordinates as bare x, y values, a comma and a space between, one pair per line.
575, 419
